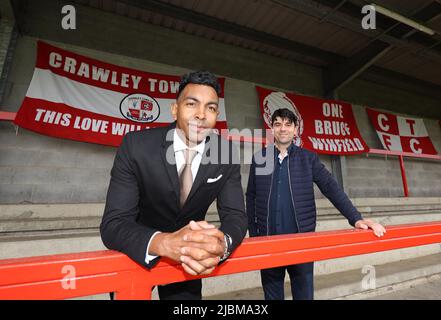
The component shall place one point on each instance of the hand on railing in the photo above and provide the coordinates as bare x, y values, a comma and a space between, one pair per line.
202, 266
198, 247
365, 224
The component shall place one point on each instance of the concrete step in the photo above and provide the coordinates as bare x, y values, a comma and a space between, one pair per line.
384, 205
383, 208
41, 217
41, 243
38, 217
389, 277
328, 222
392, 277
334, 222
16, 218
62, 239
25, 211
422, 289
61, 223
324, 207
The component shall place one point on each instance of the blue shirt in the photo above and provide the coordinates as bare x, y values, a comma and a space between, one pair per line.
282, 214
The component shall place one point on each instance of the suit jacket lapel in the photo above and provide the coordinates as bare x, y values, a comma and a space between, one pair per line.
170, 167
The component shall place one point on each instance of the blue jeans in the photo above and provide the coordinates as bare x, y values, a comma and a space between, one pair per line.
302, 281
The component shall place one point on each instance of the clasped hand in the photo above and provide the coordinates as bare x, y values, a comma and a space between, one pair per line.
199, 247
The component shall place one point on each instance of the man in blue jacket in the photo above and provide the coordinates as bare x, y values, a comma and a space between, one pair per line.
280, 200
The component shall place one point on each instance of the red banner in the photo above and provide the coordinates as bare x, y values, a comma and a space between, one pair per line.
325, 126
75, 97
401, 134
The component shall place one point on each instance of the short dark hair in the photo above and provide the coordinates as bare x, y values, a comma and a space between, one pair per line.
284, 113
199, 77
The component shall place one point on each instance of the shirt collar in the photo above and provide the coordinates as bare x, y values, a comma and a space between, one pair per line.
179, 145
289, 149
279, 155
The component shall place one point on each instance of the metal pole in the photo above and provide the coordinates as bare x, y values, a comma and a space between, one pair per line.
403, 176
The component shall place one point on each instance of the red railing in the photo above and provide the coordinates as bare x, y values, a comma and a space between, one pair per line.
83, 274
7, 116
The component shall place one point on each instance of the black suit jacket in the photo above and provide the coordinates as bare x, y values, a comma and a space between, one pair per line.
143, 194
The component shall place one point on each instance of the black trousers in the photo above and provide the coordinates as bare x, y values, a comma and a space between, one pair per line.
302, 281
188, 290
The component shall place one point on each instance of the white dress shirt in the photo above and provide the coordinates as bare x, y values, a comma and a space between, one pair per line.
179, 146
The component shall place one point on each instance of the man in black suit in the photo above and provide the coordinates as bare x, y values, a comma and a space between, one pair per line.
163, 180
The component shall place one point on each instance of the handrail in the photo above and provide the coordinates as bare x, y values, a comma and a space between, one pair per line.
7, 116
111, 271
404, 154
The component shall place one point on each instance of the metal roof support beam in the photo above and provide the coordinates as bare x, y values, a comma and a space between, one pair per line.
339, 75
403, 82
352, 22
379, 75
190, 16
335, 9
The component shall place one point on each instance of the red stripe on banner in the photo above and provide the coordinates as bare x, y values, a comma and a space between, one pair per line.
383, 121
419, 145
325, 126
107, 76
62, 121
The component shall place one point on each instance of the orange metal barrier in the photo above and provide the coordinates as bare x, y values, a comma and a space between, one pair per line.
109, 271
7, 116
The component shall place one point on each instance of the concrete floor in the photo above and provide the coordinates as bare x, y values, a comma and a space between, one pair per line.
428, 291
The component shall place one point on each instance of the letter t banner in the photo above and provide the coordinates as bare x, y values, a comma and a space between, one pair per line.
398, 133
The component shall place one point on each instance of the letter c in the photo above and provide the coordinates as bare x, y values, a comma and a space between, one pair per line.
381, 118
